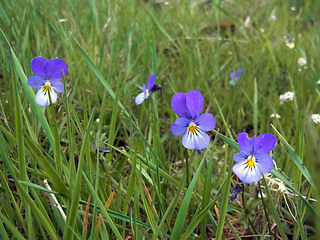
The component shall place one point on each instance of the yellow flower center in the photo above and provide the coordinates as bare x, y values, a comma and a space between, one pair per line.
235, 79
251, 161
192, 128
47, 87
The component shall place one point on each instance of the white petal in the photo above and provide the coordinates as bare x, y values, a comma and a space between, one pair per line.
199, 140
140, 98
245, 173
42, 97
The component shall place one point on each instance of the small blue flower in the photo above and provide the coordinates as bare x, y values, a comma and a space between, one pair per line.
235, 77
48, 73
152, 88
253, 158
191, 124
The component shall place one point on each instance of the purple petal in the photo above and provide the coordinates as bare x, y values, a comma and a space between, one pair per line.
264, 143
140, 98
232, 75
264, 162
42, 97
206, 122
57, 85
151, 81
199, 140
244, 142
245, 173
36, 82
54, 68
179, 105
38, 65
194, 102
240, 157
180, 126
239, 73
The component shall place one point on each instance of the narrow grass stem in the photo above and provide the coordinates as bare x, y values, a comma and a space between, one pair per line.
265, 210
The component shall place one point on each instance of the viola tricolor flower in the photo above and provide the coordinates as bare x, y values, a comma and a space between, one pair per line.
235, 192
191, 124
290, 42
235, 77
48, 73
253, 158
152, 88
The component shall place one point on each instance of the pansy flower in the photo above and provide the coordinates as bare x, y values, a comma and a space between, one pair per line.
290, 42
191, 124
253, 158
48, 73
235, 76
152, 88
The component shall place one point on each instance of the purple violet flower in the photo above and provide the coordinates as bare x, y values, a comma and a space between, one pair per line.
191, 124
253, 158
235, 77
48, 73
152, 88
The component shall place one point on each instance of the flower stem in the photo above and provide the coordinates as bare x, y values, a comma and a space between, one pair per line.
265, 210
187, 171
57, 156
246, 211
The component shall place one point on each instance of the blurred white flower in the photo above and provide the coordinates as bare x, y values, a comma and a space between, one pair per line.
97, 120
275, 115
315, 118
293, 8
288, 96
302, 61
318, 82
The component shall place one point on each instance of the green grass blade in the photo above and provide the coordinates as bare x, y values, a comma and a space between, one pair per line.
181, 217
274, 211
197, 219
224, 204
102, 209
294, 156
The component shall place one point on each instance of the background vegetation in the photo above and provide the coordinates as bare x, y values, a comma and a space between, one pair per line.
136, 186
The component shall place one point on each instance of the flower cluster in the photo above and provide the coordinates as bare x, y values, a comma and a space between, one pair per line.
192, 125
253, 158
48, 73
302, 63
288, 96
275, 115
315, 118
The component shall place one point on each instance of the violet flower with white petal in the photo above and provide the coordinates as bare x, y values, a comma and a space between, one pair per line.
152, 88
48, 73
253, 158
191, 124
235, 77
